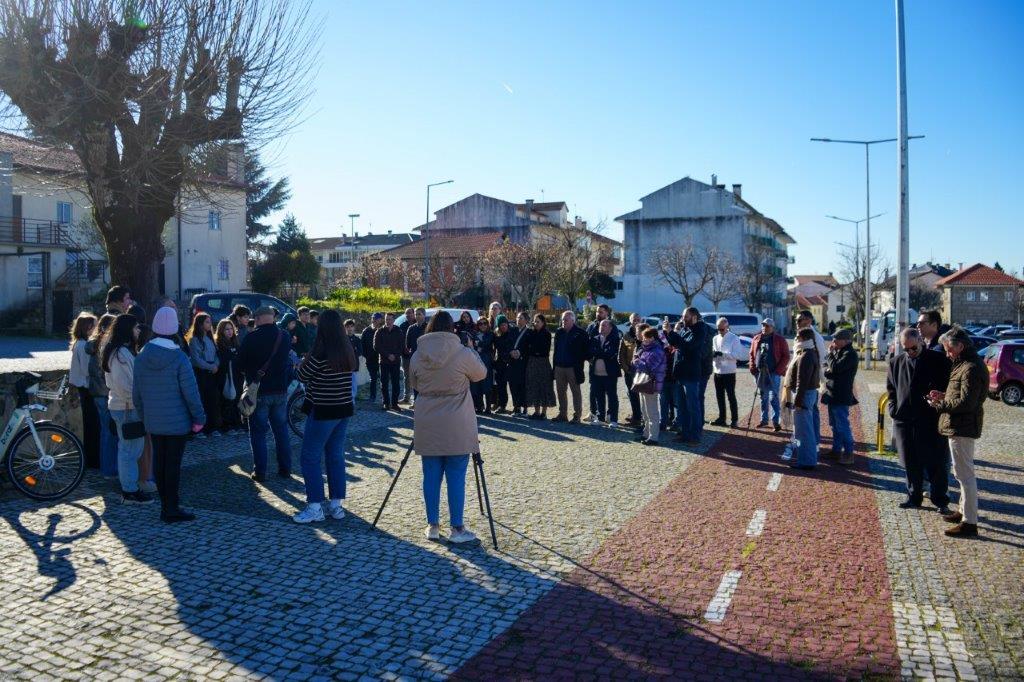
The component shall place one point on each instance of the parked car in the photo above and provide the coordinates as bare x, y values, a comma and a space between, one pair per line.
219, 305
1011, 334
982, 342
1005, 362
740, 324
454, 312
973, 329
746, 342
993, 330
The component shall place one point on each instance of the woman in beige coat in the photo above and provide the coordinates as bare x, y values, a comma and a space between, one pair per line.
444, 423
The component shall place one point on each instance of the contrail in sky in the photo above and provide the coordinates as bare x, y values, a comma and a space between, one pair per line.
509, 88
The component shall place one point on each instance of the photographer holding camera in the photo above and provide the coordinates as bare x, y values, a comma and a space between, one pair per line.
444, 424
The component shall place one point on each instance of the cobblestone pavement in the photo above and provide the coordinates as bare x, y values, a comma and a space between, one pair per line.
958, 603
616, 561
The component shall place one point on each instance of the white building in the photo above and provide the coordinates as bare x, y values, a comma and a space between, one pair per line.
707, 215
337, 253
47, 241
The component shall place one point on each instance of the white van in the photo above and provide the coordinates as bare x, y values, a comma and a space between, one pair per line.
740, 324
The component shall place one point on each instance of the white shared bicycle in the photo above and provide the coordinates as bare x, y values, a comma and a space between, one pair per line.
44, 461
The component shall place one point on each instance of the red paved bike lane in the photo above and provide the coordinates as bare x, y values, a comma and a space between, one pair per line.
812, 599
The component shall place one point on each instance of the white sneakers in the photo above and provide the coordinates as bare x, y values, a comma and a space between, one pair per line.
335, 509
457, 537
313, 512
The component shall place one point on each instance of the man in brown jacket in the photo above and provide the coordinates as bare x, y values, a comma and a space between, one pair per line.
961, 409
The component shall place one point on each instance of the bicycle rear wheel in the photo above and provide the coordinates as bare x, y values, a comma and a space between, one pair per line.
296, 417
52, 473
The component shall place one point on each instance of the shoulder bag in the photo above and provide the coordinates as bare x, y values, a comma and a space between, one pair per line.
250, 394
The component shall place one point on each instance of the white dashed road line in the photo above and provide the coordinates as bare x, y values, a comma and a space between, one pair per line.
720, 602
756, 525
774, 482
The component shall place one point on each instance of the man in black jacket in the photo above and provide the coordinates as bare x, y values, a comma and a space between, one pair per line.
412, 335
372, 357
570, 351
516, 371
915, 425
356, 341
389, 342
691, 358
840, 372
258, 351
603, 312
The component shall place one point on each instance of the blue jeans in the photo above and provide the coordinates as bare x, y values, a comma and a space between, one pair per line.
324, 439
603, 390
128, 451
703, 405
842, 434
816, 416
803, 430
667, 401
453, 469
769, 389
688, 412
108, 441
271, 414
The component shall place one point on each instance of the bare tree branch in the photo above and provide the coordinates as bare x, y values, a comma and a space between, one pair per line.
686, 268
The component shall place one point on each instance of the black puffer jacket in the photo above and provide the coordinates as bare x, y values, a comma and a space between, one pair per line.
840, 372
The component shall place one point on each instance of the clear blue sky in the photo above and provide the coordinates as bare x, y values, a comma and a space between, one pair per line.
599, 103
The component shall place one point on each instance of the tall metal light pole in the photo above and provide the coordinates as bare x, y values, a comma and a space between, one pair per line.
903, 251
856, 228
352, 217
867, 234
426, 241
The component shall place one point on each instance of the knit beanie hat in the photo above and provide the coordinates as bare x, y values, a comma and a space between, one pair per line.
165, 322
500, 320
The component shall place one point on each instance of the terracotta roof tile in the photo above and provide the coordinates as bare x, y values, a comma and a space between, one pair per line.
979, 274
461, 244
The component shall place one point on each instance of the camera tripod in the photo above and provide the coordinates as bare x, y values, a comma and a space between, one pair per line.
483, 498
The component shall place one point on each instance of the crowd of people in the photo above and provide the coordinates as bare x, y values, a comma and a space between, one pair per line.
145, 388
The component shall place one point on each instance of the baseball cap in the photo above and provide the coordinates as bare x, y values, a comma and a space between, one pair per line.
378, 316
768, 321
843, 335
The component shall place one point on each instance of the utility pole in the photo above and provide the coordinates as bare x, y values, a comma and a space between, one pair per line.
352, 245
426, 242
903, 253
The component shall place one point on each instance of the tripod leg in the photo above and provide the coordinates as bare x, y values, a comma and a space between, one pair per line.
476, 475
392, 486
478, 463
752, 404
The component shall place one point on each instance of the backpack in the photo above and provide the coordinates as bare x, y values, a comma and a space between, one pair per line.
250, 393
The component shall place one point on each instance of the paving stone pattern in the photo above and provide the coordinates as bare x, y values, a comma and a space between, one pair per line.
958, 603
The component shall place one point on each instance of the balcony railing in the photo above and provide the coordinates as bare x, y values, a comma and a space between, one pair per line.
31, 232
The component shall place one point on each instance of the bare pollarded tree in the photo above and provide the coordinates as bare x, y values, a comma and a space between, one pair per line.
685, 267
146, 92
726, 279
525, 269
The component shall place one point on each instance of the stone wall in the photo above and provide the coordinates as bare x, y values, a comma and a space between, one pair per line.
66, 412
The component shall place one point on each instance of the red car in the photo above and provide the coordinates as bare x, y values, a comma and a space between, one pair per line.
1005, 362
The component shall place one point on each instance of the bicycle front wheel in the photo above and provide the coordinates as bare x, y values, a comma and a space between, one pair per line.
296, 417
50, 473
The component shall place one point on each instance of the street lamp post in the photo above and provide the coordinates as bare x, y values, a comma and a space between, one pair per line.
856, 228
426, 241
352, 217
867, 233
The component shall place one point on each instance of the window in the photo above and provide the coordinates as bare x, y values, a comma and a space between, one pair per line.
982, 295
34, 267
223, 268
320, 259
971, 295
618, 286
1018, 356
63, 212
334, 257
1008, 294
213, 220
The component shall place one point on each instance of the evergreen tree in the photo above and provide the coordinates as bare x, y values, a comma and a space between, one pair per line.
263, 196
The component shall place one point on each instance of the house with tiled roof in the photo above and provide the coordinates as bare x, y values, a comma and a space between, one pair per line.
335, 254
979, 294
475, 224
51, 256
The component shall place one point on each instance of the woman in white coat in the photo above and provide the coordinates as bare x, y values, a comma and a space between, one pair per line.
444, 422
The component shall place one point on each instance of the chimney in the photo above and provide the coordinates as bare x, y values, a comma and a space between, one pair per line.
737, 190
389, 233
714, 180
235, 152
357, 234
960, 267
529, 210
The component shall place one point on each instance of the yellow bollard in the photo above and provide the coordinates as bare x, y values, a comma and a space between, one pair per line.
880, 447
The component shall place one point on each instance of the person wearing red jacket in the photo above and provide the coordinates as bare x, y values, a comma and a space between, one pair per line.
769, 357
